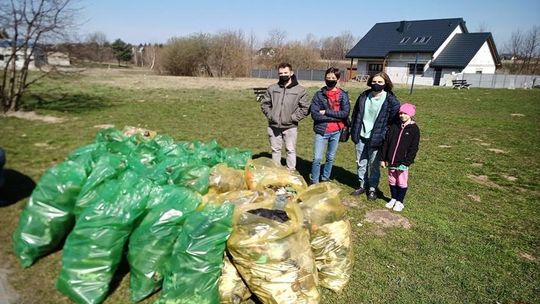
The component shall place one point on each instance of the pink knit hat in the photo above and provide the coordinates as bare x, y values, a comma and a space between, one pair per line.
408, 108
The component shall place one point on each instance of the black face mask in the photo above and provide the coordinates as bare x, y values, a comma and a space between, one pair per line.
284, 79
331, 83
377, 87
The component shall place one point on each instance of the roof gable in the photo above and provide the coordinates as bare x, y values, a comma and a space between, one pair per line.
462, 48
405, 36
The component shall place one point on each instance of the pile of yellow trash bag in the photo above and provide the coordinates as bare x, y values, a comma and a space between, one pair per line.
287, 238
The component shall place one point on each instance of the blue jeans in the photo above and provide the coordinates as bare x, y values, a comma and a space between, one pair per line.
367, 162
329, 141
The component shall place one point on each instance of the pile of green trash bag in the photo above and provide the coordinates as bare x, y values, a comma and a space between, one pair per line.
128, 195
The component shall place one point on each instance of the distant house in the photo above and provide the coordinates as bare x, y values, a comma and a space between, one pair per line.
58, 59
37, 60
266, 52
439, 48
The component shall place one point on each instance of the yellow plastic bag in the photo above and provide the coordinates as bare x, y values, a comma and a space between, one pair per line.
263, 174
232, 289
332, 248
320, 204
331, 234
271, 250
225, 179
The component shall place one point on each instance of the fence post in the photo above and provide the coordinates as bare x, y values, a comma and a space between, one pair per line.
311, 74
504, 81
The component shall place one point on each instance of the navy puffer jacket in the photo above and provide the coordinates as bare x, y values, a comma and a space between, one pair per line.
389, 114
320, 102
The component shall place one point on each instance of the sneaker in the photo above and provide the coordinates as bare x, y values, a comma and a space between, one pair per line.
358, 191
372, 194
398, 206
390, 204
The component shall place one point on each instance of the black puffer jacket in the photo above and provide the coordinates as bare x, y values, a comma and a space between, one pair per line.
388, 115
405, 152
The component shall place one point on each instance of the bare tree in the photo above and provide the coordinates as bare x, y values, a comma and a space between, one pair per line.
335, 48
97, 42
28, 23
525, 50
229, 55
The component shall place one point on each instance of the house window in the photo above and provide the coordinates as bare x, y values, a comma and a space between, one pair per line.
419, 69
1, 57
374, 68
404, 40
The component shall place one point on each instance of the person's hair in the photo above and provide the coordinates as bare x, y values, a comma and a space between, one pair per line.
333, 70
387, 82
284, 65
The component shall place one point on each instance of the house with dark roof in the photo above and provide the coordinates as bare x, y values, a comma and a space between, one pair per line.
433, 51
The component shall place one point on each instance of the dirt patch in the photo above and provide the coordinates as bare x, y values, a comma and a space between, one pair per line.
8, 295
143, 79
474, 198
104, 126
498, 151
35, 117
510, 178
483, 180
527, 256
387, 219
477, 165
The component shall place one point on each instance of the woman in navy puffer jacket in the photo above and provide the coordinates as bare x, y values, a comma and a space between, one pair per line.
330, 111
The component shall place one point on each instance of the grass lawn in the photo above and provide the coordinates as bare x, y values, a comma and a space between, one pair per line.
473, 202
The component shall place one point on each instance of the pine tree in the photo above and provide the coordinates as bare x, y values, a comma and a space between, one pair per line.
122, 51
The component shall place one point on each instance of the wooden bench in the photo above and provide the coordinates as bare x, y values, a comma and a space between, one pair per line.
259, 93
460, 84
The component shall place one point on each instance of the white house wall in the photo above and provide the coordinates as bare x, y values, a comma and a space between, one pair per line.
397, 68
481, 62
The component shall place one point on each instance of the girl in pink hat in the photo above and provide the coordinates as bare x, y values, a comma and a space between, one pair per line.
399, 150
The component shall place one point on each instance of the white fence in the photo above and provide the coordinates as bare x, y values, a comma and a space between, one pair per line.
501, 81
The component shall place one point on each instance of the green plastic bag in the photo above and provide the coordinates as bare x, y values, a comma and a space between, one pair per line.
196, 178
108, 167
94, 248
235, 158
48, 217
195, 266
151, 243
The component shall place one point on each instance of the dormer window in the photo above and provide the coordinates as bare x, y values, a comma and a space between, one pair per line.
404, 40
422, 39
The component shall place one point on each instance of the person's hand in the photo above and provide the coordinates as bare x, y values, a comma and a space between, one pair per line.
322, 111
383, 164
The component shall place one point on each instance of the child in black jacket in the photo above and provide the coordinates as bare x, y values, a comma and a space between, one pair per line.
399, 151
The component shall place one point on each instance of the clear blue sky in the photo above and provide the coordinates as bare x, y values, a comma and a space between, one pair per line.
140, 21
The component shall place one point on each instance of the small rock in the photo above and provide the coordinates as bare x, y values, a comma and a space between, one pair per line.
517, 115
444, 146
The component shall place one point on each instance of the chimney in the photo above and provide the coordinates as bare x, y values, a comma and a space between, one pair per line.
401, 27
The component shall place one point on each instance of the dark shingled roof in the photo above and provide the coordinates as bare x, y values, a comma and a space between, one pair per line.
462, 48
387, 37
